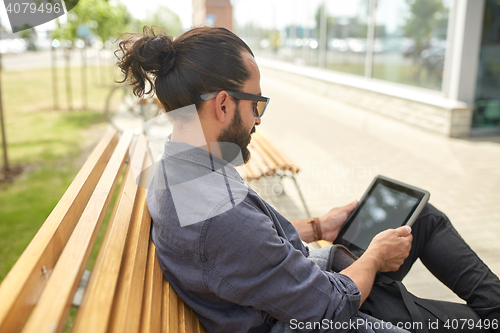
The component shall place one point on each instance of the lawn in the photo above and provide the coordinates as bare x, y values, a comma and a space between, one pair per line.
48, 145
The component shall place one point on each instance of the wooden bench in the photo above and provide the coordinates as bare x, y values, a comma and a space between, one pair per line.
126, 291
269, 161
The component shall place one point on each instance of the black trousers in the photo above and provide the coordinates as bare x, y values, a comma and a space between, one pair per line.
454, 263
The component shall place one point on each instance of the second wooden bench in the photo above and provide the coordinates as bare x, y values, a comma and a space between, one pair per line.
269, 161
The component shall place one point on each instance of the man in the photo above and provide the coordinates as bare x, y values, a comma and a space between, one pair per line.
239, 264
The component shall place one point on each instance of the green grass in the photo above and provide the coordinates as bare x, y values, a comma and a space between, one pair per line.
25, 205
48, 145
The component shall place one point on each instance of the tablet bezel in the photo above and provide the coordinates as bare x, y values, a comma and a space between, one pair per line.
394, 184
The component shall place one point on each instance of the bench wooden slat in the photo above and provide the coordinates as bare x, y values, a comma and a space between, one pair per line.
54, 302
170, 314
193, 324
268, 159
185, 318
182, 315
283, 161
276, 162
165, 307
265, 150
151, 305
23, 285
284, 157
254, 168
95, 310
188, 323
126, 314
197, 327
258, 161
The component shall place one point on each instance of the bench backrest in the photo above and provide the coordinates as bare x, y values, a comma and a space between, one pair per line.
267, 160
126, 291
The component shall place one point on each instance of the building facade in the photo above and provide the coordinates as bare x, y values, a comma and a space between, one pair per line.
214, 13
432, 63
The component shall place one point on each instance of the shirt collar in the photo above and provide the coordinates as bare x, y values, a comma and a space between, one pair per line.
197, 155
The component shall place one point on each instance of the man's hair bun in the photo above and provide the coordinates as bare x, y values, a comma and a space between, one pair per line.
146, 57
158, 54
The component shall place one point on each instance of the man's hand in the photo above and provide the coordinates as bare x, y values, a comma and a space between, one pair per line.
332, 221
390, 248
386, 252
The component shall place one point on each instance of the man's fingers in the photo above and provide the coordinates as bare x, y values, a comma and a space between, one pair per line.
403, 231
350, 207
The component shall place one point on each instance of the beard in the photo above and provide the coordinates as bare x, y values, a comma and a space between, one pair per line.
238, 139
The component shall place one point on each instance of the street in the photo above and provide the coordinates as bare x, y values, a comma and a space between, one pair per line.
42, 59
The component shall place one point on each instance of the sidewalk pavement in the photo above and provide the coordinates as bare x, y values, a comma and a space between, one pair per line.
340, 148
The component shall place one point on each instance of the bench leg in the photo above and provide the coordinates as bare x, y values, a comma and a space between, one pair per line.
301, 197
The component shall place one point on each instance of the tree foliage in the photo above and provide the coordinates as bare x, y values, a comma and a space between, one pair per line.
164, 18
102, 18
354, 26
423, 19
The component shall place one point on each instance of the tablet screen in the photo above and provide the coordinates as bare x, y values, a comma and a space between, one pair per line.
386, 205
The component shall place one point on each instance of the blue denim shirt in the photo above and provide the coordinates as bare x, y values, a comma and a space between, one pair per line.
230, 256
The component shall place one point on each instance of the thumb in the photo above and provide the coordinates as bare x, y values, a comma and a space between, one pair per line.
350, 206
403, 231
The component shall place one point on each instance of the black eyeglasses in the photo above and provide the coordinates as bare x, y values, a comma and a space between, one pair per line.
258, 108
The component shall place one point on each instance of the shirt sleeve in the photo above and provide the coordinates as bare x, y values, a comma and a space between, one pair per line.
251, 265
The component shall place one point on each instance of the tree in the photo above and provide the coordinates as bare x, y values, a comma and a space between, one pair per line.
29, 35
100, 17
6, 167
422, 21
68, 36
104, 19
111, 19
165, 18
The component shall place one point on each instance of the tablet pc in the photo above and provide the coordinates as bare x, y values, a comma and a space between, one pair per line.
386, 204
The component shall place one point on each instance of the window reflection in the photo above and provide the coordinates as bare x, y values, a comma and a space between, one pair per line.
408, 45
412, 42
347, 27
385, 208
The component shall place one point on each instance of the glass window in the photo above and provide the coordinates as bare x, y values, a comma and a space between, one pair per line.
410, 41
346, 35
408, 45
280, 29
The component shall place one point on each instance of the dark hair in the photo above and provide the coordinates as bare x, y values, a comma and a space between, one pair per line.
199, 61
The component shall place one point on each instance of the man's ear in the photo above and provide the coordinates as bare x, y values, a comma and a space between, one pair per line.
222, 105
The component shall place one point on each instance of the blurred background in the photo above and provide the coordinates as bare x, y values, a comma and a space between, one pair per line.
420, 70
449, 48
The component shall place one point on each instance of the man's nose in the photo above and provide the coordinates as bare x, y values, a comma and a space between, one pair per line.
257, 121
